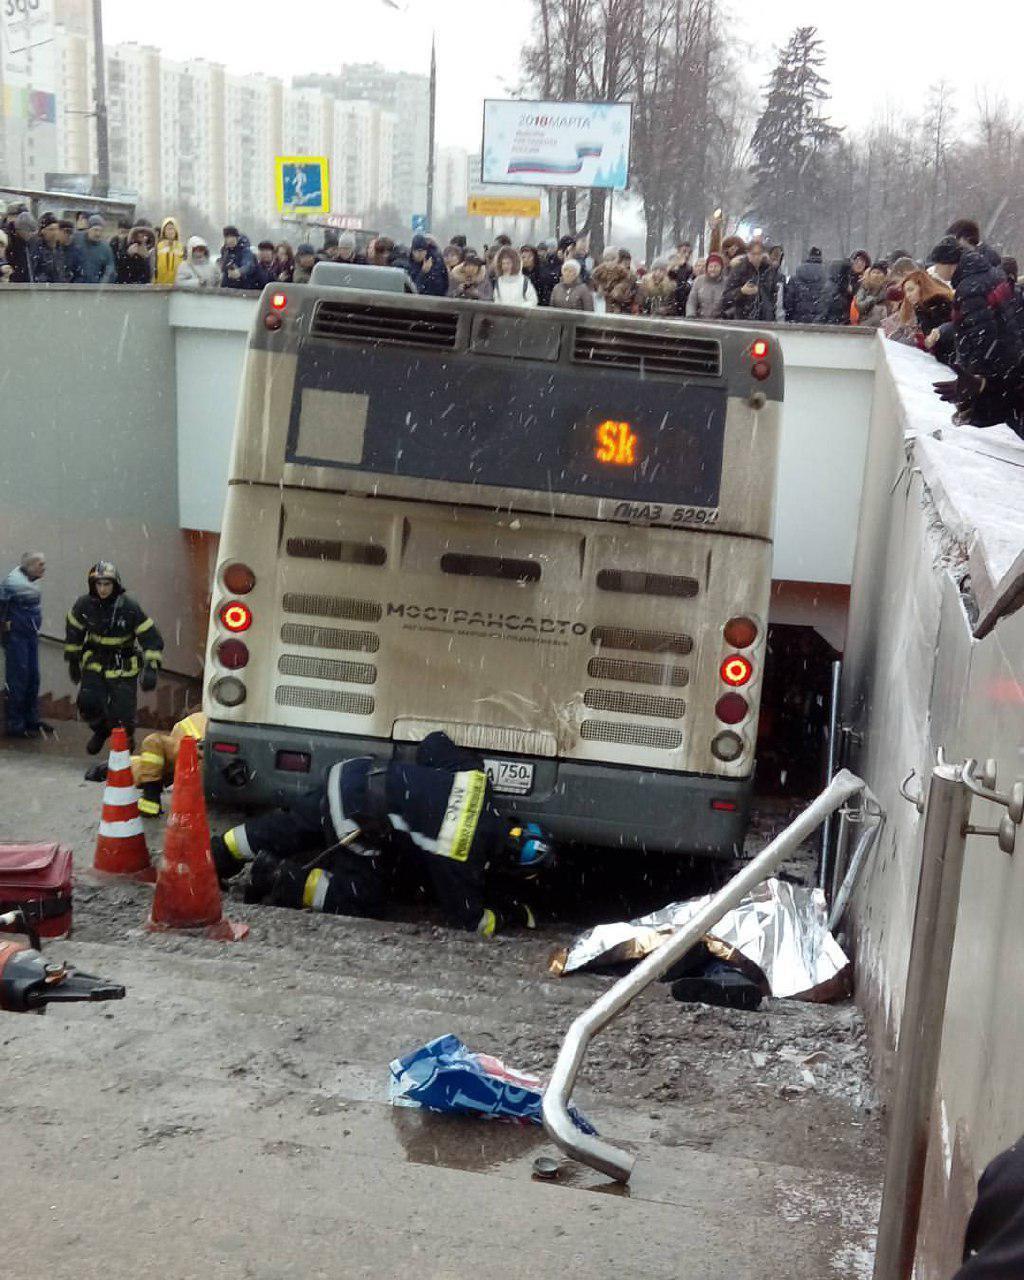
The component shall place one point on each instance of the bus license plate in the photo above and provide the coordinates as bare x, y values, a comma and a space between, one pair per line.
510, 777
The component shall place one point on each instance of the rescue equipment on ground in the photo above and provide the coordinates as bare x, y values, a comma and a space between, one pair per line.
36, 879
29, 982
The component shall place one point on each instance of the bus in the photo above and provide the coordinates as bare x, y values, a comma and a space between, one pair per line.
546, 533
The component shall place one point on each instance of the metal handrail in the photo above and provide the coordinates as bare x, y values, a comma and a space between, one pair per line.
558, 1122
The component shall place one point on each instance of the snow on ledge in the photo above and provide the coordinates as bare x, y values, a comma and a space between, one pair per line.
976, 479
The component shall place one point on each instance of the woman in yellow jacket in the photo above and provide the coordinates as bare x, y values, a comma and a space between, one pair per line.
170, 252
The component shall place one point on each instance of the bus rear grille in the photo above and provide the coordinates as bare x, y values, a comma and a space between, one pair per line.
647, 352
293, 664
634, 735
634, 704
331, 607
338, 552
340, 700
371, 322
329, 637
637, 672
636, 582
641, 641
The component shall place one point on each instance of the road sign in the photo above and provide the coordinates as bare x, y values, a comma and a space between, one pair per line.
419, 222
302, 185
503, 207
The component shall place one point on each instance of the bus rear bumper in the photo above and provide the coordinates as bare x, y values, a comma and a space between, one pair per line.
612, 806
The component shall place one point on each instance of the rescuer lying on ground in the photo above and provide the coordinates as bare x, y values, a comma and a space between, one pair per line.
328, 851
153, 767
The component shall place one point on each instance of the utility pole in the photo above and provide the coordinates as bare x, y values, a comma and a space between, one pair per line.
430, 132
100, 102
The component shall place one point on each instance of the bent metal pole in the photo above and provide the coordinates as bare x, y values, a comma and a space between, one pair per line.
592, 1150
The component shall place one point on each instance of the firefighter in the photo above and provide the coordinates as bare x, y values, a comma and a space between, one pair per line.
153, 767
109, 641
329, 851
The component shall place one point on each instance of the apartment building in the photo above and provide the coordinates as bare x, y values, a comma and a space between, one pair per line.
134, 124
192, 106
252, 138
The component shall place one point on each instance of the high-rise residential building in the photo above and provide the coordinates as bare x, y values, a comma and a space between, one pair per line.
134, 124
308, 127
252, 138
362, 158
451, 181
73, 67
192, 107
407, 97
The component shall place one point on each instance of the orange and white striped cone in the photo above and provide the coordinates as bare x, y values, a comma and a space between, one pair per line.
121, 844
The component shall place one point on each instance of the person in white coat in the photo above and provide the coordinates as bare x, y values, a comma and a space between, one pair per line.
198, 271
510, 285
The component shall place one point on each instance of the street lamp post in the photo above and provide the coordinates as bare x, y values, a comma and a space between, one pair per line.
430, 133
100, 102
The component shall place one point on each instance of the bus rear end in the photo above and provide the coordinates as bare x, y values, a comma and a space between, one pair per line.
470, 564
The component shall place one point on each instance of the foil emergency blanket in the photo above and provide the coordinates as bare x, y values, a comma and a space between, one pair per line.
779, 927
444, 1075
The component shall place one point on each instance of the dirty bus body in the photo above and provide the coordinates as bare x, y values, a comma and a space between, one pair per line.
546, 533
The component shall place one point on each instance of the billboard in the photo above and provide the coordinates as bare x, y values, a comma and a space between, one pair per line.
556, 144
302, 185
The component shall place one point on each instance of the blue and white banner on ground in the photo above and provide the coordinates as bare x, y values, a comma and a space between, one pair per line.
556, 144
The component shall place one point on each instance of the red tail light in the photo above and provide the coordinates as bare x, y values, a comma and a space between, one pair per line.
293, 761
240, 580
724, 806
233, 654
761, 370
760, 349
279, 301
235, 616
730, 708
740, 632
226, 748
736, 670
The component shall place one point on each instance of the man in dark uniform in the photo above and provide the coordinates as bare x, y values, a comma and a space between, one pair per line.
109, 640
326, 853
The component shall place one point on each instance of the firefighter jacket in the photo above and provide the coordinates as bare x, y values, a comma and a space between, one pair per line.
113, 637
159, 754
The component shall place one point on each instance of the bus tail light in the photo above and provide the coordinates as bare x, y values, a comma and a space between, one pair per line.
760, 369
727, 746
294, 761
272, 321
724, 806
235, 616
760, 349
229, 691
240, 580
280, 300
731, 708
740, 632
736, 670
233, 654
226, 748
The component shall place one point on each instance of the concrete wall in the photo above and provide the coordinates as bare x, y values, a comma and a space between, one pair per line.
917, 679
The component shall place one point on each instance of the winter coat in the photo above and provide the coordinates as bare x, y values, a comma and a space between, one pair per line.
683, 279
197, 273
515, 291
242, 259
806, 294
137, 268
475, 287
431, 275
617, 285
706, 298
658, 299
870, 307
19, 255
21, 606
92, 263
48, 264
838, 293
170, 254
759, 306
113, 637
545, 276
988, 338
575, 297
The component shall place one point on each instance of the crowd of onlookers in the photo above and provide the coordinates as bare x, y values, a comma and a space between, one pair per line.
963, 303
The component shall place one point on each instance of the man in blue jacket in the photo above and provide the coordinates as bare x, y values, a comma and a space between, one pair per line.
21, 620
92, 259
238, 268
429, 274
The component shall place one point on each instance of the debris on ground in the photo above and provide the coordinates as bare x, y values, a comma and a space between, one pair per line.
446, 1076
778, 927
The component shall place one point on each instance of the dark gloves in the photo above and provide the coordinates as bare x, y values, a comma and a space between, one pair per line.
148, 680
75, 670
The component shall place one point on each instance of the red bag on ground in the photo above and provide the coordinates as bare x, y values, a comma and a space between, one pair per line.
37, 878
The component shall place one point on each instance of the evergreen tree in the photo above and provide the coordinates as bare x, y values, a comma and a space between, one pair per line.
791, 144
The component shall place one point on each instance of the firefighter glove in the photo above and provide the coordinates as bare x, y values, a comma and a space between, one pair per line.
75, 670
148, 680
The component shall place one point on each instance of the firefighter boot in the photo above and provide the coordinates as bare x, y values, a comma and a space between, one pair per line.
149, 801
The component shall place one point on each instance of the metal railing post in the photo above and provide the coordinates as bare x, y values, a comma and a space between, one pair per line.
592, 1150
920, 1038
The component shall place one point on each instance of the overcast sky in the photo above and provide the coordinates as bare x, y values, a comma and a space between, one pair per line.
879, 51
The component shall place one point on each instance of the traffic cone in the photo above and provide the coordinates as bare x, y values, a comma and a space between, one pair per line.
121, 844
187, 891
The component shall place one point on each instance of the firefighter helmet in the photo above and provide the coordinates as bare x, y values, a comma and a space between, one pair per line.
105, 570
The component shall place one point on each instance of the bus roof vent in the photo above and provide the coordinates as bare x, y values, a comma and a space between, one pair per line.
376, 323
647, 352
